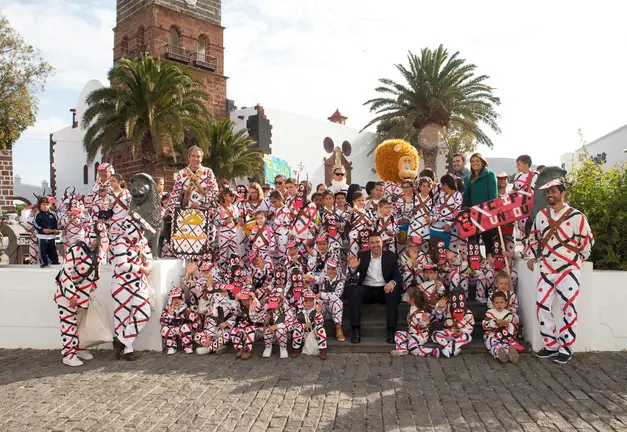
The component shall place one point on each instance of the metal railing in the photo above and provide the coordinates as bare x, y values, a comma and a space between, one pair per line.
206, 61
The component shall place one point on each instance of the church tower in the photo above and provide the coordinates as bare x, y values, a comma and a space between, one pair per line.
188, 32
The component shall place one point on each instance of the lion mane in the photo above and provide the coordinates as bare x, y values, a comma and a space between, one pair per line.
387, 155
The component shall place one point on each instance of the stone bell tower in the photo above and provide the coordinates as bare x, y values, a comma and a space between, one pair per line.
186, 32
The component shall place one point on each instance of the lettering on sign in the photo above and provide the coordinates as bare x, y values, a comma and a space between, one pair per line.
492, 214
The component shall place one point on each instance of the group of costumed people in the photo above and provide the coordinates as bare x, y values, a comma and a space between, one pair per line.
274, 265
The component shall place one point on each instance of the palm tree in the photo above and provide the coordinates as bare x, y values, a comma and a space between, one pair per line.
440, 91
153, 104
230, 153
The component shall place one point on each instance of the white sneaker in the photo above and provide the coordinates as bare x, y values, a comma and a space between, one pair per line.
203, 350
283, 353
84, 354
446, 352
171, 351
399, 352
189, 350
72, 362
267, 352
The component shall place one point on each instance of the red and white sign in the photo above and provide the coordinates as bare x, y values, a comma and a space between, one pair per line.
491, 214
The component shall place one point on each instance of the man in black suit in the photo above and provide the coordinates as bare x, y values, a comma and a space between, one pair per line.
378, 281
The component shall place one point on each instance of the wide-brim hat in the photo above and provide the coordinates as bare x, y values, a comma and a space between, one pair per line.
554, 182
502, 174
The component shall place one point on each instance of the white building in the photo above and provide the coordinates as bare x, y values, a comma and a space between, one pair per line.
26, 192
607, 150
298, 140
68, 157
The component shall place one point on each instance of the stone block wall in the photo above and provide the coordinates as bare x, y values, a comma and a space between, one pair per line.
6, 181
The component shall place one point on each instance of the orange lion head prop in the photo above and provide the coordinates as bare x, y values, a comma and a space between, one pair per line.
396, 160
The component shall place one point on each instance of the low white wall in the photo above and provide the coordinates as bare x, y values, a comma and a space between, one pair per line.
30, 317
602, 298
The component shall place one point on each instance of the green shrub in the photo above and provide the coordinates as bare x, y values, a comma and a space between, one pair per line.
602, 196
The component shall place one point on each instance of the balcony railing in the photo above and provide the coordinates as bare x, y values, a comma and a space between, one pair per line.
177, 53
205, 61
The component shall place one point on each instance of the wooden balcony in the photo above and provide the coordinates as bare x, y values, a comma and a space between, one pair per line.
177, 54
204, 61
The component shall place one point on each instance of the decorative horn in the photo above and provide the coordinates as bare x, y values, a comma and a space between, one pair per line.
328, 145
346, 148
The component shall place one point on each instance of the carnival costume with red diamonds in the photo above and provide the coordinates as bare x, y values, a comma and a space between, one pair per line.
278, 319
119, 212
421, 210
228, 232
129, 285
76, 280
176, 323
249, 323
303, 218
220, 319
330, 291
417, 334
458, 326
497, 337
73, 221
196, 190
361, 223
315, 318
561, 242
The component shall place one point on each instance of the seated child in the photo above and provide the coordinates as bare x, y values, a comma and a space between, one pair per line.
434, 292
410, 263
318, 256
417, 334
309, 318
458, 326
277, 319
248, 324
176, 322
330, 286
502, 284
498, 330
219, 321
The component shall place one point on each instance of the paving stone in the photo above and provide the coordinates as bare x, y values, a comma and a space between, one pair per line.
350, 391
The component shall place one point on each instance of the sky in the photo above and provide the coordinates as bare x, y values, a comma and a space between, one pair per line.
557, 66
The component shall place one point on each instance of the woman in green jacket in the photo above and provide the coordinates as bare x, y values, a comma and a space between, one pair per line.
480, 187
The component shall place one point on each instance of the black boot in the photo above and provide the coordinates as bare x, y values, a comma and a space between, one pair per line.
355, 336
118, 347
390, 338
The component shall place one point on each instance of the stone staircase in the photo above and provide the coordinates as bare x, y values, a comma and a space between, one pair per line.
374, 330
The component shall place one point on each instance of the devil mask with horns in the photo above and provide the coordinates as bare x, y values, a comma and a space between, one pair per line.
474, 255
458, 305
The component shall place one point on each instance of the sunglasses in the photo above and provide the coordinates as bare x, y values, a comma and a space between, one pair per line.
340, 174
279, 183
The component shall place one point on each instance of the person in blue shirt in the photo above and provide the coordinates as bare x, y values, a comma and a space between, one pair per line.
47, 228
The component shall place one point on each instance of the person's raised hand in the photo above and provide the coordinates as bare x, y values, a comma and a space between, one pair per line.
353, 262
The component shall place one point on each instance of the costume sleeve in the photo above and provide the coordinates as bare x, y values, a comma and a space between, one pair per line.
257, 314
585, 238
122, 264
489, 322
339, 289
468, 323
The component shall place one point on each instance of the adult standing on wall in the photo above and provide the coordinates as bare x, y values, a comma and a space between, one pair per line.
560, 240
102, 182
480, 187
195, 186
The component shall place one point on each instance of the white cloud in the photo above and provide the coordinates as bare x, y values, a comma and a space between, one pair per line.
75, 38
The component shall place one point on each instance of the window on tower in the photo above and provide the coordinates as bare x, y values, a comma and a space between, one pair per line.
124, 47
141, 43
202, 49
173, 38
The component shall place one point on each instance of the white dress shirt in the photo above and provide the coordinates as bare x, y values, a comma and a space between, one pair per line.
374, 277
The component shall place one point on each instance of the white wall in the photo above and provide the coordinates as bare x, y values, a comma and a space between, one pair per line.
613, 144
297, 139
600, 304
30, 318
69, 156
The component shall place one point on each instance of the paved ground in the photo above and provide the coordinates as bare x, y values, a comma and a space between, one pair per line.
360, 392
